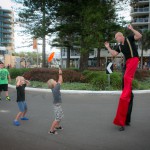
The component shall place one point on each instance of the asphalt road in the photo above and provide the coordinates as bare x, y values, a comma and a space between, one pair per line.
87, 123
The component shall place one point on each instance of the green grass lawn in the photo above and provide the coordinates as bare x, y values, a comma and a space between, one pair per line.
143, 85
65, 86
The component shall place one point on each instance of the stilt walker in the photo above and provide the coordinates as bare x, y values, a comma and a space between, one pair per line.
128, 48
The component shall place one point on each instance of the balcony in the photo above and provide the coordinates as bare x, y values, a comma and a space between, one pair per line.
6, 31
139, 2
7, 36
146, 9
7, 20
143, 0
7, 26
6, 15
132, 1
140, 20
139, 11
7, 41
139, 23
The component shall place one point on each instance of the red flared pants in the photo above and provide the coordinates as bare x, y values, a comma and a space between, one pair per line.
131, 66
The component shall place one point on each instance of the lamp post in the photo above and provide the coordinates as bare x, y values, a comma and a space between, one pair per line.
35, 46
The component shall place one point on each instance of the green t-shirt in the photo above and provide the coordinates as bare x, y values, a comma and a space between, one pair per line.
4, 76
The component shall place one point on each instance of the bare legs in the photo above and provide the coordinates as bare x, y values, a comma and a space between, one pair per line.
20, 114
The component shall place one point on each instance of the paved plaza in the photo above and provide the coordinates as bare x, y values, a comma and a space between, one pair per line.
87, 123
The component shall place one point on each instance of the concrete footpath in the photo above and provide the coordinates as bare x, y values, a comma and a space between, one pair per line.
87, 123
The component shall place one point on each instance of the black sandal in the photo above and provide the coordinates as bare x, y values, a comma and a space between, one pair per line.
121, 128
52, 132
59, 128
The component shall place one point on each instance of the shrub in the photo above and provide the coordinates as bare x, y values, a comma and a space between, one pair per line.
144, 84
96, 78
44, 74
100, 81
135, 84
142, 74
116, 80
14, 72
89, 75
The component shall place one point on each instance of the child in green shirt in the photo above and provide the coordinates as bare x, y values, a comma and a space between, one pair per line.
4, 76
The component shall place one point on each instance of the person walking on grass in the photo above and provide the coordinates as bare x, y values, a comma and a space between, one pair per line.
128, 48
4, 76
20, 87
58, 112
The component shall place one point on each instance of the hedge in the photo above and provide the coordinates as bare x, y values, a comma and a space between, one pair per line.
14, 72
100, 80
44, 74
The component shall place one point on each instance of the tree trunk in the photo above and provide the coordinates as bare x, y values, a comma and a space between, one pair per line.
44, 45
68, 57
141, 58
84, 60
98, 57
43, 53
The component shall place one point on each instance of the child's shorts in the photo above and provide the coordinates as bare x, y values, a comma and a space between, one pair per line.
3, 87
22, 106
58, 112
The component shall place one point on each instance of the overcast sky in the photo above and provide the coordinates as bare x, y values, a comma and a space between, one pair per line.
22, 40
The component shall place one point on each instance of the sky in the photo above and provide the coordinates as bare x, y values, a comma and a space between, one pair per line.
21, 40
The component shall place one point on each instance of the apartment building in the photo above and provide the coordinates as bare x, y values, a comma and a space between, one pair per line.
140, 19
140, 14
6, 33
104, 57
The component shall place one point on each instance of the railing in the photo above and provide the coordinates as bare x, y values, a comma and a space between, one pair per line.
7, 36
7, 15
6, 30
143, 0
139, 0
140, 20
7, 41
7, 25
141, 10
6, 20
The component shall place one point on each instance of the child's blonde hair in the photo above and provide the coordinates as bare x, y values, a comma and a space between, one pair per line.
21, 78
50, 83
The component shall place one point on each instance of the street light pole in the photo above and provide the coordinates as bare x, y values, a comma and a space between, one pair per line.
37, 58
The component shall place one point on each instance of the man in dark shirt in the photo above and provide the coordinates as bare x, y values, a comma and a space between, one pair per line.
128, 48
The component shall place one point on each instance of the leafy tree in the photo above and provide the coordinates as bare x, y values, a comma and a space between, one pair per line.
100, 24
86, 24
67, 15
83, 23
37, 17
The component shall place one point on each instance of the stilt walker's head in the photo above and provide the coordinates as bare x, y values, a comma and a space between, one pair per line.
119, 37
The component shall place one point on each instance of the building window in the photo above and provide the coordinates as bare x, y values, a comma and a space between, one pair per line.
91, 53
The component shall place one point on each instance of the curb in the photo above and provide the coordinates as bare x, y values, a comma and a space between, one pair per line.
81, 91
